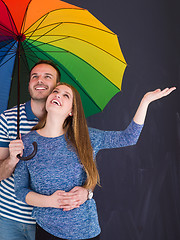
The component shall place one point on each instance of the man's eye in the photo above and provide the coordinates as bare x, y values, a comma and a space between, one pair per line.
48, 76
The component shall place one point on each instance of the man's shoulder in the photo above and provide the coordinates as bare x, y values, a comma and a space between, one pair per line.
9, 116
13, 110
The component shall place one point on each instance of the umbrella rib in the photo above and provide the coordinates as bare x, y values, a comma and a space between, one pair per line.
5, 29
9, 55
65, 37
24, 18
73, 79
44, 17
11, 50
5, 44
81, 60
26, 64
11, 19
28, 56
7, 60
44, 34
46, 55
52, 12
58, 23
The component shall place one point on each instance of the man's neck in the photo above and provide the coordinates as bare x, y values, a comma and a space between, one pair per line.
38, 108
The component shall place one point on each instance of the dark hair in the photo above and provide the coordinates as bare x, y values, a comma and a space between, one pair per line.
51, 64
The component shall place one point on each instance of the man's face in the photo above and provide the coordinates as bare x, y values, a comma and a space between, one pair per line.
42, 81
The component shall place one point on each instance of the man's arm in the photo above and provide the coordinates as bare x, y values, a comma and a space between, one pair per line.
6, 166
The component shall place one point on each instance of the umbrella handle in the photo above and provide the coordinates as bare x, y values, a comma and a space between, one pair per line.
31, 155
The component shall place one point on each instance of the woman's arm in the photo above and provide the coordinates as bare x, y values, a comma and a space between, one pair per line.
116, 139
39, 200
59, 199
149, 97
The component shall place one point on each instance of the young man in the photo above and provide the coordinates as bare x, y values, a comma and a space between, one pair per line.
16, 222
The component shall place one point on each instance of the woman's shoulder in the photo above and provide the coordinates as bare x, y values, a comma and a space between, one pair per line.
28, 135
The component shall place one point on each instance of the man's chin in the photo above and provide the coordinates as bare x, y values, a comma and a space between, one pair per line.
38, 99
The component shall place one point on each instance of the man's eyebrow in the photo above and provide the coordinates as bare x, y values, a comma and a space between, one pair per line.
44, 73
49, 74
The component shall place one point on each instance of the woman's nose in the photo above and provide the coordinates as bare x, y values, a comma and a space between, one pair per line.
58, 96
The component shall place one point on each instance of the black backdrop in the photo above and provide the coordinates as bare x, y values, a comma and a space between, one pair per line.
139, 197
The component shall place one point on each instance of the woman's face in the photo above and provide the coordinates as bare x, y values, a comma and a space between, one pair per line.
60, 101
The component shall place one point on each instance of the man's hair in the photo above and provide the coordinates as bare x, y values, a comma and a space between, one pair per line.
51, 64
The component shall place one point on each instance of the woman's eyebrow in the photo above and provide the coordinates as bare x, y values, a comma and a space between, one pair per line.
67, 93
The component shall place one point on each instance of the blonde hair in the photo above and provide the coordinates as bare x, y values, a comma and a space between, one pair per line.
77, 135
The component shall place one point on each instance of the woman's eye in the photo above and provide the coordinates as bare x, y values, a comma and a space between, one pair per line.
66, 95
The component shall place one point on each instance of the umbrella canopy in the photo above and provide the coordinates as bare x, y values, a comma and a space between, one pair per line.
86, 51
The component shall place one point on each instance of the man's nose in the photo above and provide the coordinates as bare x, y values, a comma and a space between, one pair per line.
40, 80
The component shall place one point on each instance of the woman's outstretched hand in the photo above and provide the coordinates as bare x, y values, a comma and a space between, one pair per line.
146, 100
157, 94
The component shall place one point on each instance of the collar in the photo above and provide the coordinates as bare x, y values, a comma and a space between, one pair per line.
30, 115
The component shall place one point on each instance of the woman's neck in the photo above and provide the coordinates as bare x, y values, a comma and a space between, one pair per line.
53, 127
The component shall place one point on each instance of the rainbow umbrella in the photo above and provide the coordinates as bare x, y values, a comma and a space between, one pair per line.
87, 52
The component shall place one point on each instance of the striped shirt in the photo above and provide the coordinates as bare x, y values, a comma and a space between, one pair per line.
10, 207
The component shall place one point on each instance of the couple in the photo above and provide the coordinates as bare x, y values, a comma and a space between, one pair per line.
65, 159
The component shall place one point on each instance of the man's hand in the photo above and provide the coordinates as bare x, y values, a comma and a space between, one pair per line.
8, 158
16, 147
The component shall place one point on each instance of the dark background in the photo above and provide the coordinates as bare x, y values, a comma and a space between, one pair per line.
139, 197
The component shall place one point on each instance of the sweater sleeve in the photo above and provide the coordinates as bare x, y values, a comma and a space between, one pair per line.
115, 139
21, 181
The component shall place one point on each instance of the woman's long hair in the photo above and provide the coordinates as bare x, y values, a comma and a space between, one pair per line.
76, 134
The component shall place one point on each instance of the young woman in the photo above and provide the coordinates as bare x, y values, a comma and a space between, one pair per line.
66, 158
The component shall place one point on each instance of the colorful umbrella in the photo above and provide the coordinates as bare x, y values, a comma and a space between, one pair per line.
87, 52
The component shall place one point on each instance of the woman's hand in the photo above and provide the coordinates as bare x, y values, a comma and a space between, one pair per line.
74, 198
59, 199
68, 200
146, 100
157, 94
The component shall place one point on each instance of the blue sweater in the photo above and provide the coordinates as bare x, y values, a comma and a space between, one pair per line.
57, 167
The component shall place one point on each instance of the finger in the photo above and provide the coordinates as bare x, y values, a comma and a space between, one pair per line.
60, 192
167, 91
75, 189
170, 90
16, 146
68, 202
67, 195
70, 208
